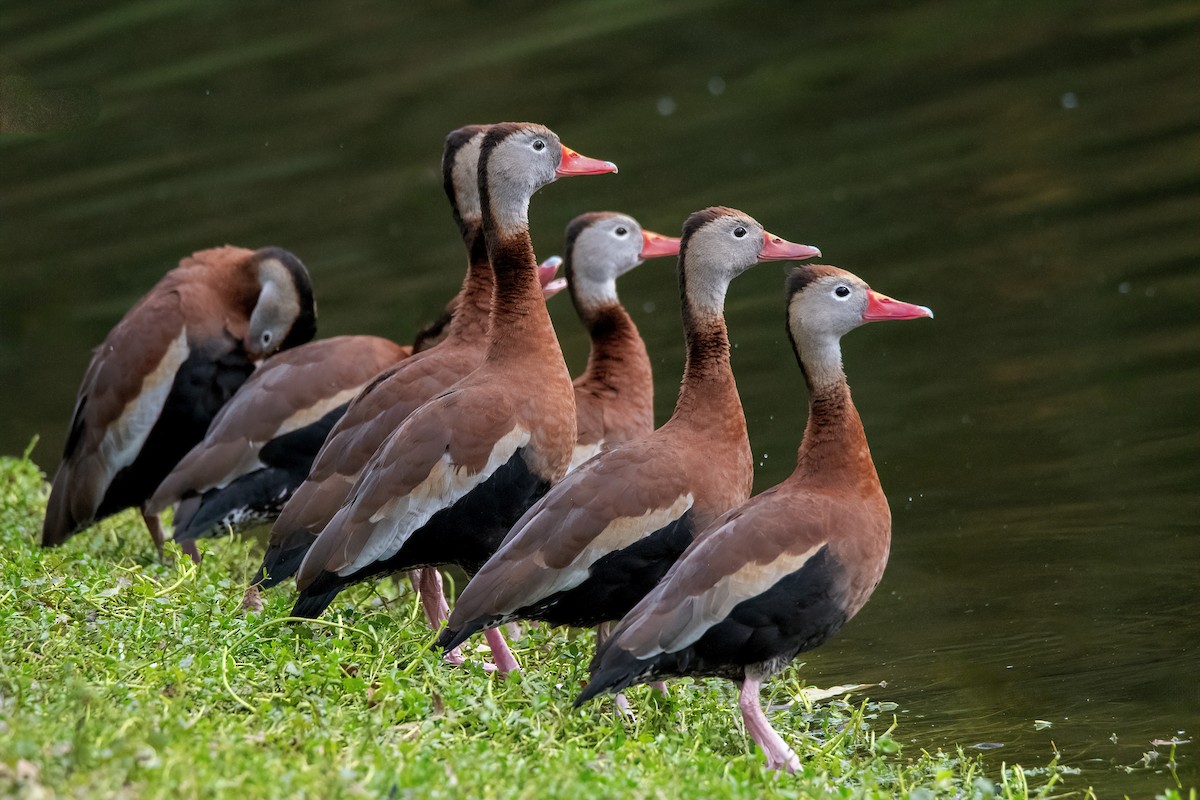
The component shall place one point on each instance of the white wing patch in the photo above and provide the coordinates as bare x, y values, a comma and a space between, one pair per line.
308, 416
445, 485
249, 461
617, 535
125, 437
700, 612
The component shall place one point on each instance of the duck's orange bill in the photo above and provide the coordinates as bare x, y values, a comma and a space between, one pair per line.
655, 245
575, 164
776, 248
881, 307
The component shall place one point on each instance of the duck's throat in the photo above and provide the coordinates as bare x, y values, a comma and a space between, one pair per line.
708, 396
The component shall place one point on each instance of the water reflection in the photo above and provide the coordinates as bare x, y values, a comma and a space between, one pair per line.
1027, 169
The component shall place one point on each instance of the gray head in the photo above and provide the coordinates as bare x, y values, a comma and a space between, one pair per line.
721, 243
285, 314
517, 159
824, 304
602, 246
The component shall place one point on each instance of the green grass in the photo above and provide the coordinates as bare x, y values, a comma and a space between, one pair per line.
122, 676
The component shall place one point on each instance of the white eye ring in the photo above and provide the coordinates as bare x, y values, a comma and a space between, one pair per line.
266, 337
538, 145
842, 291
621, 231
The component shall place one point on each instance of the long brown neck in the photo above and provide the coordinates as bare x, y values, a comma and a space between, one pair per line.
520, 327
618, 361
708, 396
470, 321
834, 448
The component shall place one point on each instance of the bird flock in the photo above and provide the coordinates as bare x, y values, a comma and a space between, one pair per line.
473, 448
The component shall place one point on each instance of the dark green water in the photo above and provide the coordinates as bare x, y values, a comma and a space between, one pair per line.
1030, 170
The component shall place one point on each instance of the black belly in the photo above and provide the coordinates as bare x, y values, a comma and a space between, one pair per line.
202, 385
799, 612
465, 534
617, 581
260, 495
763, 633
469, 532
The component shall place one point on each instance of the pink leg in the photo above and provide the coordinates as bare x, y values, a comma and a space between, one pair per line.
428, 583
661, 686
154, 525
776, 750
505, 661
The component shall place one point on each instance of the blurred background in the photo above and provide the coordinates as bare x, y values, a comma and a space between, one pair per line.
1030, 170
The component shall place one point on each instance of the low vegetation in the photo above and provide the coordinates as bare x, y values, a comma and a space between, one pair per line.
124, 676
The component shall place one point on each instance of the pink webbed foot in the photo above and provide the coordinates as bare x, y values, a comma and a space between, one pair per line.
623, 706
779, 755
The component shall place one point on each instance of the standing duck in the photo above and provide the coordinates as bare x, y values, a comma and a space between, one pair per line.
614, 397
163, 373
395, 393
785, 571
262, 443
603, 537
451, 481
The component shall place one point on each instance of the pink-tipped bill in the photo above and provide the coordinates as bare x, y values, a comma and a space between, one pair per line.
881, 307
575, 164
776, 248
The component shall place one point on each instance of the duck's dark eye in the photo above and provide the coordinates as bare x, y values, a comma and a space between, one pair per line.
739, 231
842, 291
620, 231
538, 144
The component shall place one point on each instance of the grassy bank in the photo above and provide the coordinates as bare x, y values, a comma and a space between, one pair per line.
121, 676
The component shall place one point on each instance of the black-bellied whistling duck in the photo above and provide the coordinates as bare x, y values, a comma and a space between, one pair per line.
614, 397
785, 571
262, 443
395, 393
601, 539
451, 481
161, 375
